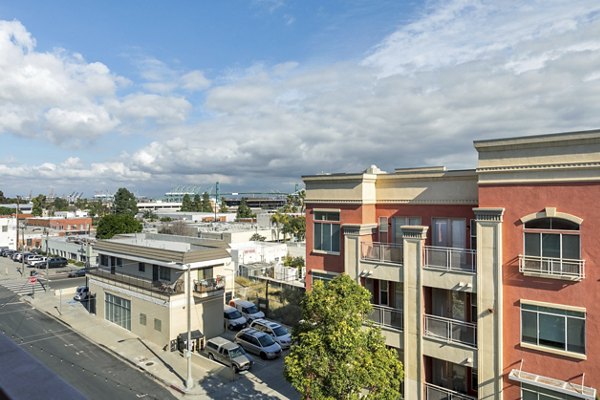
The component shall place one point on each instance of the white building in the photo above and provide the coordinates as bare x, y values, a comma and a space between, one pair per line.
8, 232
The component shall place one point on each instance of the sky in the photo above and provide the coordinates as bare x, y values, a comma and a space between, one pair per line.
155, 95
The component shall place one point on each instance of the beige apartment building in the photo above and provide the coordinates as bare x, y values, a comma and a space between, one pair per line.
143, 283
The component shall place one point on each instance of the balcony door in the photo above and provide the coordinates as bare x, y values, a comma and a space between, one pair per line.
449, 232
155, 272
397, 223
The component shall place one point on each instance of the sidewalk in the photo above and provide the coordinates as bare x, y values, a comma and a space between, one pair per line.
211, 380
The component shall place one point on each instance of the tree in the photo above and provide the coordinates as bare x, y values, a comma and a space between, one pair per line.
257, 237
206, 204
2, 198
298, 226
244, 211
39, 202
223, 206
278, 220
60, 204
186, 203
114, 224
125, 203
97, 209
197, 204
150, 215
337, 353
6, 211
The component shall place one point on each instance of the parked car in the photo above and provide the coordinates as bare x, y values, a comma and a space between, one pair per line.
247, 308
234, 319
8, 253
257, 342
82, 293
279, 333
41, 263
57, 262
228, 353
18, 257
32, 258
76, 273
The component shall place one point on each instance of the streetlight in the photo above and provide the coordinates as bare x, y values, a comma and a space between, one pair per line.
190, 381
47, 259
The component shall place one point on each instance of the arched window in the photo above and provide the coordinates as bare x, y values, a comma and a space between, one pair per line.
552, 248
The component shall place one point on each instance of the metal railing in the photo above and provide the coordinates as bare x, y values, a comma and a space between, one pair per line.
451, 330
561, 268
131, 282
434, 392
382, 252
209, 285
387, 316
451, 259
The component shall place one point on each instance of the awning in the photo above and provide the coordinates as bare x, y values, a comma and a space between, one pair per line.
572, 389
196, 334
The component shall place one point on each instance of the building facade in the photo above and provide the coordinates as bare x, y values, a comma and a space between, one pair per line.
8, 232
144, 282
483, 279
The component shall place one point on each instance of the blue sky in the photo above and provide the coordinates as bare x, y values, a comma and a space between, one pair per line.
151, 95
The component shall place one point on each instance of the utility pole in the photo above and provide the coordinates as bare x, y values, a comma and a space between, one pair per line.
47, 260
216, 199
17, 217
190, 381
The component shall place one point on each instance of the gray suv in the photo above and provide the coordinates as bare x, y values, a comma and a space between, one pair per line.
257, 342
228, 353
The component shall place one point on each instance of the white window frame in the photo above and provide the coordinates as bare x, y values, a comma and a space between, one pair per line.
331, 218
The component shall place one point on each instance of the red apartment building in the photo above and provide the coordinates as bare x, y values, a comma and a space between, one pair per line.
485, 280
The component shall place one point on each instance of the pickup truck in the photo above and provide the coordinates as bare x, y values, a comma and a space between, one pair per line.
228, 353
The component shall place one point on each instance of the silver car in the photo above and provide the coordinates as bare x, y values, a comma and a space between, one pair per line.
257, 342
279, 333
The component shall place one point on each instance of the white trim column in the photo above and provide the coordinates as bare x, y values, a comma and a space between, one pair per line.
353, 234
489, 302
414, 243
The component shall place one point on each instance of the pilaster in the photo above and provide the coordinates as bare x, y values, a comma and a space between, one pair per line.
489, 302
353, 234
414, 243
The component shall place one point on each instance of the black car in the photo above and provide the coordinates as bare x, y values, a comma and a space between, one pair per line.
57, 262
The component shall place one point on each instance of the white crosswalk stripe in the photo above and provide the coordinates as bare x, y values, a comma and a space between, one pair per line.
21, 286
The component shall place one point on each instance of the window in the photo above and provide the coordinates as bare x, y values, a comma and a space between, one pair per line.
398, 222
554, 328
320, 276
552, 238
117, 310
449, 232
383, 293
4, 228
104, 260
119, 262
157, 324
142, 319
383, 229
474, 379
473, 234
327, 231
165, 273
141, 267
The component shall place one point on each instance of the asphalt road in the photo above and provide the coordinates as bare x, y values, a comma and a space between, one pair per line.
94, 372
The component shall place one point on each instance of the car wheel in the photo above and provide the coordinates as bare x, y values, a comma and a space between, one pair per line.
211, 357
236, 370
263, 355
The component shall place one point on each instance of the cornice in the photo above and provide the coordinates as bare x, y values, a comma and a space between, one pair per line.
553, 166
488, 214
395, 201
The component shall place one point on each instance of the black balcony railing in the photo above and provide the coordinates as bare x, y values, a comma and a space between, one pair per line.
134, 282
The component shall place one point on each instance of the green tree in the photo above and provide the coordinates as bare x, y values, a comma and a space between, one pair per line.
337, 353
149, 215
114, 224
206, 204
125, 203
186, 203
97, 209
244, 211
39, 202
298, 226
6, 211
223, 206
197, 204
60, 204
257, 237
2, 198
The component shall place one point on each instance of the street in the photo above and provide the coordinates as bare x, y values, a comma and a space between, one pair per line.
93, 371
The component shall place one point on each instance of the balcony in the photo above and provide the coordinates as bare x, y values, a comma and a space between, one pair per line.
138, 284
451, 330
433, 392
382, 252
387, 317
209, 287
549, 267
451, 259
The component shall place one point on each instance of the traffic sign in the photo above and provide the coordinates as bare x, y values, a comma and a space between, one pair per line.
32, 280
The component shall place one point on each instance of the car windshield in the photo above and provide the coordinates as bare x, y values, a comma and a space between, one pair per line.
280, 331
233, 314
237, 352
251, 310
265, 340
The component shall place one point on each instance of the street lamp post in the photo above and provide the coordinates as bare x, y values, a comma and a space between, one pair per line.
190, 381
47, 260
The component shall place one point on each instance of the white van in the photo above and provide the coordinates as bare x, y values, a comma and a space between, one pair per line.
247, 308
234, 319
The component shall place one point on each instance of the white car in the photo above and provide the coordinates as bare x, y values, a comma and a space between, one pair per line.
234, 319
34, 259
278, 332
